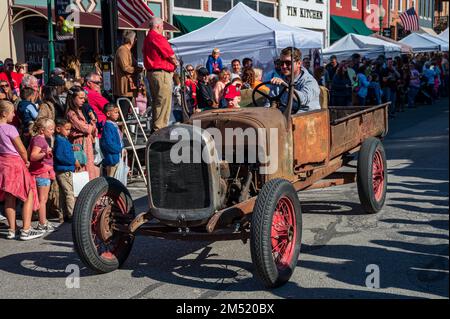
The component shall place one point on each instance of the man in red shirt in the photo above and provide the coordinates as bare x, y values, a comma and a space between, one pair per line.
14, 79
95, 98
160, 62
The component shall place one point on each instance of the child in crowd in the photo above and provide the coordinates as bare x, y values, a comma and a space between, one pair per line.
232, 96
41, 166
111, 140
82, 132
27, 111
141, 99
15, 180
177, 109
65, 164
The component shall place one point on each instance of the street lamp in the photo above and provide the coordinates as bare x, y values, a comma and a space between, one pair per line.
381, 14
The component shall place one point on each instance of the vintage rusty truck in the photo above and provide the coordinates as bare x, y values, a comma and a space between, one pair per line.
216, 199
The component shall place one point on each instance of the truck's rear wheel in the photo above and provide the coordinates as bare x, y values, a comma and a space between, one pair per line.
103, 205
276, 231
372, 175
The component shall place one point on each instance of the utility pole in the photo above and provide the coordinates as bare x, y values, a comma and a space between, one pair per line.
51, 44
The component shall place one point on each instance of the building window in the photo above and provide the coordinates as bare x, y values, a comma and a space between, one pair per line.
319, 1
400, 5
339, 3
250, 3
355, 4
188, 4
156, 8
221, 5
268, 9
367, 5
392, 4
413, 4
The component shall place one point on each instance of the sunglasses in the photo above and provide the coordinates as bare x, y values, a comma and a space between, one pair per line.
287, 62
4, 86
190, 70
96, 82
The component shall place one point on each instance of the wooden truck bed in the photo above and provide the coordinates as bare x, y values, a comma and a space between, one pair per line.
323, 135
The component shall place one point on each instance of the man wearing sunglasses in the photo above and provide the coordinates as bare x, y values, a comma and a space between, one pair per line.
95, 98
305, 85
14, 79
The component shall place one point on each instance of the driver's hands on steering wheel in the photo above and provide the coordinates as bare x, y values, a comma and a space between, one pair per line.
278, 81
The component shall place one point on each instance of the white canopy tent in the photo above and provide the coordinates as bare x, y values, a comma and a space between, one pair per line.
437, 40
420, 43
444, 35
368, 46
243, 32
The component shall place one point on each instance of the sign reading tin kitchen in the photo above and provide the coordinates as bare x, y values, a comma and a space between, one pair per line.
304, 14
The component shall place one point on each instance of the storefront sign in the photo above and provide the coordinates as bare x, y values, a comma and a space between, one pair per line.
304, 14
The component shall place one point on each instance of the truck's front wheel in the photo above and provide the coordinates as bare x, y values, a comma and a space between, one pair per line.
103, 206
276, 231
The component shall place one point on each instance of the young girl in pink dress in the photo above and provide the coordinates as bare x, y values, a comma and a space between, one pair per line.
82, 132
15, 180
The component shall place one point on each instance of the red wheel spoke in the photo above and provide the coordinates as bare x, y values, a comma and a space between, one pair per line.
283, 226
107, 247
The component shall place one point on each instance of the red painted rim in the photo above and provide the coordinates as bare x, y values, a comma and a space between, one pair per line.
378, 175
283, 233
111, 248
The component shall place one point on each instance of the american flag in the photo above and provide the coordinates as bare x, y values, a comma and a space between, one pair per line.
410, 20
136, 11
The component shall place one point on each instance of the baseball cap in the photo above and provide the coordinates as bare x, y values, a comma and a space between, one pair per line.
58, 71
231, 92
202, 71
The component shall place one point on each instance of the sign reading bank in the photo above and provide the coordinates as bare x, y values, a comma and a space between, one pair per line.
311, 14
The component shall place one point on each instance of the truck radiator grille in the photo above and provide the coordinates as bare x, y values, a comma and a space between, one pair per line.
176, 186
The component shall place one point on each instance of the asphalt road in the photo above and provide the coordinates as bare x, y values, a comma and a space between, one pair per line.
407, 241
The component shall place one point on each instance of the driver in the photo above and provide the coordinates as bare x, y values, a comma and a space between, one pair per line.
305, 85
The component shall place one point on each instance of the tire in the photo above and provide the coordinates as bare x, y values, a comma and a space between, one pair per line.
275, 269
101, 198
372, 175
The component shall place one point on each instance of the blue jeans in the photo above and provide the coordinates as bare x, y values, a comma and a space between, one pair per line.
412, 93
390, 96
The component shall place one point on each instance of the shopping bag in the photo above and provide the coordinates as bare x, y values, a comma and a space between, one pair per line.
98, 155
79, 154
80, 179
122, 170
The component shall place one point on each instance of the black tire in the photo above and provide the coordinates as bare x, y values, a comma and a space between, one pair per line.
371, 156
109, 255
270, 272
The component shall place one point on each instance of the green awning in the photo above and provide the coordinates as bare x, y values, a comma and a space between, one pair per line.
341, 26
188, 24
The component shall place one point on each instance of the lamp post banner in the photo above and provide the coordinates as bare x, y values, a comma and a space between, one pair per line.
65, 14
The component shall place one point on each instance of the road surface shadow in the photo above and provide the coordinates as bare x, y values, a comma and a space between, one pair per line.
332, 208
422, 268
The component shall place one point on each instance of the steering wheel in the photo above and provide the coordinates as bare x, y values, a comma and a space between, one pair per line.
272, 99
